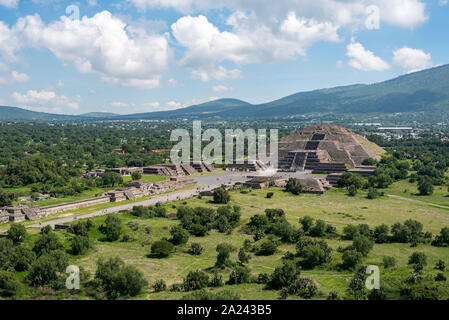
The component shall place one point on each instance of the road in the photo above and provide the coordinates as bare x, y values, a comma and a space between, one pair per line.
205, 183
417, 201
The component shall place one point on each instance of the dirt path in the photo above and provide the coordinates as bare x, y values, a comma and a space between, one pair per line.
417, 201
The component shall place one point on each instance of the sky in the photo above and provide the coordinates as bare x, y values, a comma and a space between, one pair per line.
132, 56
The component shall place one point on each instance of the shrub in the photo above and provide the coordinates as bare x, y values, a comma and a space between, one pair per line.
440, 265
162, 248
221, 196
270, 195
148, 229
21, 258
303, 287
179, 235
283, 276
224, 251
418, 258
307, 223
9, 286
81, 228
372, 193
319, 229
351, 258
314, 255
44, 270
136, 175
196, 249
440, 277
80, 245
46, 243
267, 248
244, 257
6, 247
263, 278
425, 185
293, 186
239, 275
389, 262
442, 240
17, 232
217, 280
113, 228
362, 244
350, 231
133, 225
159, 286
196, 280
118, 279
380, 233
198, 230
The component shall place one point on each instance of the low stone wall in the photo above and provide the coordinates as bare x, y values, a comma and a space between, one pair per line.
74, 205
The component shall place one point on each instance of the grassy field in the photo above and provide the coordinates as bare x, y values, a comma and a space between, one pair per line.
95, 192
335, 208
406, 189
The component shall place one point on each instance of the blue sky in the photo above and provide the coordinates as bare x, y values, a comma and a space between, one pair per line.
128, 56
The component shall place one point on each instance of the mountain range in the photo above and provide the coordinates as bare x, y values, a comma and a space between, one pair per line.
423, 92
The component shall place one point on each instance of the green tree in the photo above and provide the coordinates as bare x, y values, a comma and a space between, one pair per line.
293, 186
266, 248
113, 228
283, 276
136, 175
21, 258
118, 279
46, 243
80, 244
179, 235
418, 258
196, 249
351, 258
221, 196
9, 286
17, 232
239, 275
362, 244
244, 257
162, 248
425, 186
196, 280
224, 252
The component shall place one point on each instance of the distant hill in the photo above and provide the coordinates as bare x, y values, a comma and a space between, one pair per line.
425, 92
99, 114
18, 114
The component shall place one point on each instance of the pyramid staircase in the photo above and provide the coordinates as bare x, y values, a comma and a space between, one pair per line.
30, 213
188, 169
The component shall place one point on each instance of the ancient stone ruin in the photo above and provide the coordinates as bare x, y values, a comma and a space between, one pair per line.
247, 166
133, 191
325, 149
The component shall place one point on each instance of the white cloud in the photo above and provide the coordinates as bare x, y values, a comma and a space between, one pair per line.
118, 104
19, 77
443, 2
401, 13
9, 3
45, 101
173, 83
363, 59
412, 60
250, 41
121, 54
221, 88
